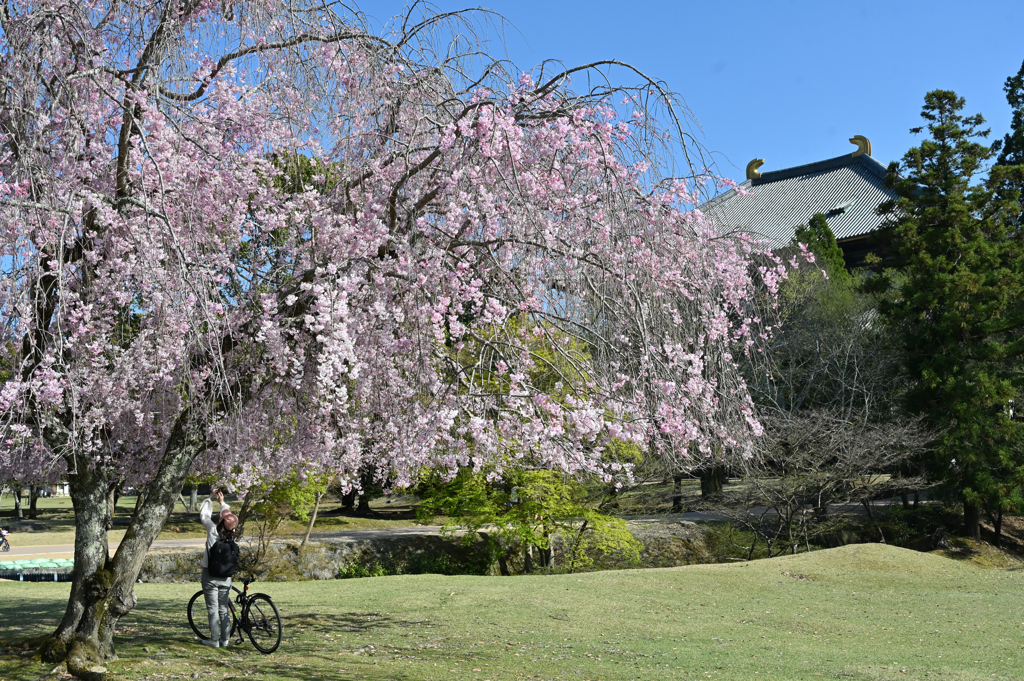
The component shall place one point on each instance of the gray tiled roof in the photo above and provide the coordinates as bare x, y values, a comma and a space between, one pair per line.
778, 201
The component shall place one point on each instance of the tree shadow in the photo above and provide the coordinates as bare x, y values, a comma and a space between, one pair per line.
28, 616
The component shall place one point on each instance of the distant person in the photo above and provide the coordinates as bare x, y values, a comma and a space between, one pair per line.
220, 561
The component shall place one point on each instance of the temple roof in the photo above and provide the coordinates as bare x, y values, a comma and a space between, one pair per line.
847, 189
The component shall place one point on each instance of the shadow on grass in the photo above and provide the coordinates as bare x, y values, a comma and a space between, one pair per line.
154, 643
27, 617
347, 621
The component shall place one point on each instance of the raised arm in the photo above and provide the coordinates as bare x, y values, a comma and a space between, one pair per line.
205, 513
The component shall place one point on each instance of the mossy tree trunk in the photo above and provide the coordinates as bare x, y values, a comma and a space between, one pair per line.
102, 590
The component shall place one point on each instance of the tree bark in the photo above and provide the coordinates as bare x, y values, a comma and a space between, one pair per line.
18, 513
363, 508
711, 481
193, 500
312, 517
997, 525
111, 505
88, 496
972, 521
102, 590
33, 496
348, 501
677, 493
243, 513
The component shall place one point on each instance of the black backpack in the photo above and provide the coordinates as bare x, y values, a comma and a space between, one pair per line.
222, 558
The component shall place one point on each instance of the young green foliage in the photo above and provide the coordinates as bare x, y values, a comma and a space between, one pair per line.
523, 509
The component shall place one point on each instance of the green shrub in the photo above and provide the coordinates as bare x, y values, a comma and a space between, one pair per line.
356, 570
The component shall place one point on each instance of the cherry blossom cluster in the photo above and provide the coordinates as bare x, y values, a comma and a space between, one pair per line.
337, 251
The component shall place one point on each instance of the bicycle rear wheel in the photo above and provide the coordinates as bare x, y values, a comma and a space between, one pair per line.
5, 546
200, 622
263, 623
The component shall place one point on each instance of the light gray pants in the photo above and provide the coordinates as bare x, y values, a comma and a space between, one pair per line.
217, 592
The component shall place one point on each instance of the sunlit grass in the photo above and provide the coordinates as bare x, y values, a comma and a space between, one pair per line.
860, 612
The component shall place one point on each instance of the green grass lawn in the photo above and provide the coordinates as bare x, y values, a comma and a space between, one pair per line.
859, 612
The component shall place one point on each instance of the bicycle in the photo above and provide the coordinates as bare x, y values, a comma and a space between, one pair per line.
259, 619
4, 544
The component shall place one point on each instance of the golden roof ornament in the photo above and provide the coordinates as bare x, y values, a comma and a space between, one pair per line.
863, 145
752, 167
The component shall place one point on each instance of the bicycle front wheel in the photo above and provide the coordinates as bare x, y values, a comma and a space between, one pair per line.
5, 546
200, 622
263, 623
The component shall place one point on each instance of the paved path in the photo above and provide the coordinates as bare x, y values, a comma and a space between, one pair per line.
68, 550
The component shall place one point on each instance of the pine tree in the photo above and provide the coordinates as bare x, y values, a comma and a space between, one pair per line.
1011, 148
954, 297
820, 240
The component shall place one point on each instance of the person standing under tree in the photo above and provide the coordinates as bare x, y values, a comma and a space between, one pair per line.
217, 586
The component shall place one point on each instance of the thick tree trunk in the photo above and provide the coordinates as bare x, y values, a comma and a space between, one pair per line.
18, 513
193, 500
997, 525
88, 494
102, 588
348, 501
33, 497
972, 521
711, 481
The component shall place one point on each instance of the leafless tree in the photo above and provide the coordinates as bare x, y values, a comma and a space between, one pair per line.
834, 435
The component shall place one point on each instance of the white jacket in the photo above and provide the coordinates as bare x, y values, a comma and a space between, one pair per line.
205, 513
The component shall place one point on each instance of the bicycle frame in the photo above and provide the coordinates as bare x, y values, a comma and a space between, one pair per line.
239, 626
255, 616
236, 620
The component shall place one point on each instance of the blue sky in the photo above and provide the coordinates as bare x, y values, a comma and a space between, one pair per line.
785, 80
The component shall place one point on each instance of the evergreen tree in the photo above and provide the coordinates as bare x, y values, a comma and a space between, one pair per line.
954, 297
1011, 148
818, 238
